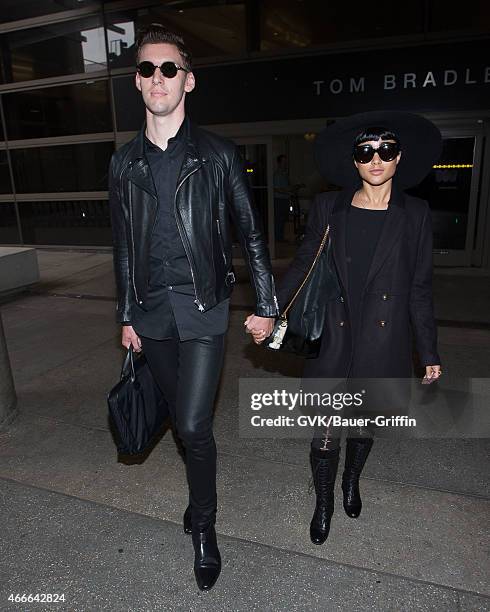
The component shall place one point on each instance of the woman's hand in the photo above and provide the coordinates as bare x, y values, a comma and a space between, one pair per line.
432, 372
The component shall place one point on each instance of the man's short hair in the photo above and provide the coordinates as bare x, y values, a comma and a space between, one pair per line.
155, 33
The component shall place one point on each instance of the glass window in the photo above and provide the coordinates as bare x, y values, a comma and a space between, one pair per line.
78, 222
12, 10
448, 17
80, 167
447, 189
310, 23
5, 182
58, 111
9, 231
70, 47
211, 29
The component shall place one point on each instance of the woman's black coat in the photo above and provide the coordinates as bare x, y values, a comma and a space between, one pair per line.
397, 296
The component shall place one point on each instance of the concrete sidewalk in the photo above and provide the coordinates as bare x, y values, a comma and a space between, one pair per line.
108, 535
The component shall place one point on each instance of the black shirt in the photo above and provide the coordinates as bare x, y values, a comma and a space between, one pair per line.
364, 227
171, 311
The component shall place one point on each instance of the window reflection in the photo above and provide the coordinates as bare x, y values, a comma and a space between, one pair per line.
80, 222
9, 233
5, 182
447, 189
12, 10
209, 29
70, 47
309, 23
61, 168
58, 111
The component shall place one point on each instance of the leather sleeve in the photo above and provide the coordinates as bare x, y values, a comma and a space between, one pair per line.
421, 301
298, 268
252, 239
120, 246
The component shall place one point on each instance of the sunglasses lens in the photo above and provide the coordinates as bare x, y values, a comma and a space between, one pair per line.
388, 151
168, 70
146, 69
363, 153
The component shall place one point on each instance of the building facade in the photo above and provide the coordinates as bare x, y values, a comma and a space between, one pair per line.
270, 74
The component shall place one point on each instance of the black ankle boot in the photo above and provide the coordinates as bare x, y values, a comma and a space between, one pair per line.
188, 520
357, 451
207, 560
324, 468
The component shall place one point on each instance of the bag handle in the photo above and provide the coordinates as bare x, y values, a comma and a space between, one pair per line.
319, 252
128, 364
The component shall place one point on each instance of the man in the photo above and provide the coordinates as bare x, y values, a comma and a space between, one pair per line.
282, 192
173, 189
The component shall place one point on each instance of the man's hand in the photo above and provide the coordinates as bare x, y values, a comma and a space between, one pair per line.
129, 336
260, 327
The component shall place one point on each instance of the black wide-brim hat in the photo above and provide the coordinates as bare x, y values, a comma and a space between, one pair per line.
420, 140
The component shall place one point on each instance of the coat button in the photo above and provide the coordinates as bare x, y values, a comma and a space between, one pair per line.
342, 299
140, 302
342, 323
382, 323
385, 296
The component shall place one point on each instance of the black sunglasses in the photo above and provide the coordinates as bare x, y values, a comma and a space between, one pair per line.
168, 69
387, 151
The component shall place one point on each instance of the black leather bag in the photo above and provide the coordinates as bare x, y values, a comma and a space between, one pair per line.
299, 328
136, 405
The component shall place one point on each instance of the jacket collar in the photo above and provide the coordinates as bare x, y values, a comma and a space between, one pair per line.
392, 228
139, 170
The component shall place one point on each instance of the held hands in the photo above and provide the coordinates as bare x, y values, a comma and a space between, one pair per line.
259, 327
432, 373
129, 336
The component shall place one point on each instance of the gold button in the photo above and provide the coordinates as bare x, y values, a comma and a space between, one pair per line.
382, 323
342, 323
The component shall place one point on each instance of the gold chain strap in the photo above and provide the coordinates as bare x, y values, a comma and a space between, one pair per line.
320, 249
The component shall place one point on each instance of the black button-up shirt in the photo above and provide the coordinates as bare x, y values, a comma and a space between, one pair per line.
170, 310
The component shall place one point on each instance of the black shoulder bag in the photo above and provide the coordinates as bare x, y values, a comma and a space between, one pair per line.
300, 326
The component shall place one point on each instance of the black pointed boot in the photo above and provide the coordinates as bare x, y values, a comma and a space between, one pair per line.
324, 466
207, 560
357, 451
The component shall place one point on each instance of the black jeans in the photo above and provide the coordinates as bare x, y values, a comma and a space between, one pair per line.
188, 374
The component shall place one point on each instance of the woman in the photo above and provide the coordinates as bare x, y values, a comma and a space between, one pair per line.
382, 254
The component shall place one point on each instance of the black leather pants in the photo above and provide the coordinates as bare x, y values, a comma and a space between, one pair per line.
188, 374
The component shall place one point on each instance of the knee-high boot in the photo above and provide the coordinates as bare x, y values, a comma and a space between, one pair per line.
357, 451
324, 466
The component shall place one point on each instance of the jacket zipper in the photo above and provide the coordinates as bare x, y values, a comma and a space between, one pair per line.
221, 241
184, 241
130, 207
132, 241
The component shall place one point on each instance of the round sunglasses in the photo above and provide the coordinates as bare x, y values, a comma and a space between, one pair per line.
168, 69
387, 151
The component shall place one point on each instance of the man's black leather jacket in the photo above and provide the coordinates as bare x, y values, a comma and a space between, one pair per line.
212, 187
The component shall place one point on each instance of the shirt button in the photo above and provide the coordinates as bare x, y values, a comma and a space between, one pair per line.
382, 323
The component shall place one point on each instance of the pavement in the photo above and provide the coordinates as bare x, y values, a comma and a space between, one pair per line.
106, 533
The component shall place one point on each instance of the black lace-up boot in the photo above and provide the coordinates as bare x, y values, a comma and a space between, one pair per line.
356, 453
324, 469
